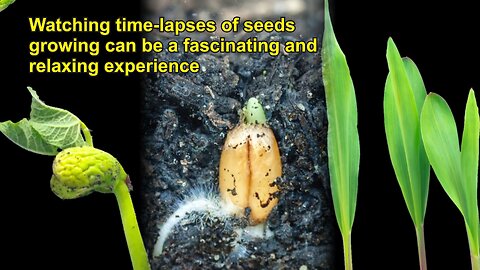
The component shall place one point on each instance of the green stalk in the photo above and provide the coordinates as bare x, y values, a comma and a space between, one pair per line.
422, 256
475, 262
136, 248
86, 134
347, 251
474, 253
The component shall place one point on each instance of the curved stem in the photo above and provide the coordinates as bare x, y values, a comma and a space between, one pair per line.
86, 134
422, 256
347, 251
135, 244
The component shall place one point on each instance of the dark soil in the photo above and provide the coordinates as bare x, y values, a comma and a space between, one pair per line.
186, 119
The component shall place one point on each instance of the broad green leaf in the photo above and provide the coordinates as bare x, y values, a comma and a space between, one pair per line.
456, 170
343, 141
26, 137
58, 127
469, 155
47, 130
404, 97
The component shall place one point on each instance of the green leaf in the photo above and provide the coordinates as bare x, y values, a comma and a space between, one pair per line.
47, 130
58, 127
456, 170
404, 96
26, 137
5, 3
469, 155
439, 133
343, 141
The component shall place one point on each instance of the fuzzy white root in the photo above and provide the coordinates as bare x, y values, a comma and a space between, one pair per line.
204, 200
200, 204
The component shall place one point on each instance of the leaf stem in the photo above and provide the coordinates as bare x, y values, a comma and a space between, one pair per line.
135, 244
86, 134
474, 254
475, 261
422, 256
347, 251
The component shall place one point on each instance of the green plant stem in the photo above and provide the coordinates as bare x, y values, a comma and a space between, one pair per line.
347, 250
135, 244
474, 254
86, 134
475, 262
422, 256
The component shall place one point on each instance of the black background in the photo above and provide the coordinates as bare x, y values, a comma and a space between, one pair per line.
39, 230
442, 39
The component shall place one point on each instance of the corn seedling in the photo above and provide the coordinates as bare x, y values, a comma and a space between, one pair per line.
455, 166
250, 164
79, 169
343, 142
403, 101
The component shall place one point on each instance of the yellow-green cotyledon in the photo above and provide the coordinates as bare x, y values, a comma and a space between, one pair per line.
78, 171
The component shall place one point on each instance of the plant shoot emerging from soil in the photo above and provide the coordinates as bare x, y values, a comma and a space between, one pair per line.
249, 165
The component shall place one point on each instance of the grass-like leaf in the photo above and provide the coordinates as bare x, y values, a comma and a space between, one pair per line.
343, 141
404, 96
457, 170
48, 129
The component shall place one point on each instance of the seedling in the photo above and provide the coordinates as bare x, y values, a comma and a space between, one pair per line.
403, 101
79, 169
249, 165
343, 142
456, 167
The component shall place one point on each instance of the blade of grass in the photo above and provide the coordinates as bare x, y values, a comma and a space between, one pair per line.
404, 97
343, 141
456, 170
469, 155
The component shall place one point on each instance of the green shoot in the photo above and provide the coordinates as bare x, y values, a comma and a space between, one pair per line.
403, 101
343, 141
456, 167
48, 129
79, 169
253, 112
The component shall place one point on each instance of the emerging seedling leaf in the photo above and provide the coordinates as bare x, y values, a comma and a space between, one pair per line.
403, 101
80, 168
47, 130
343, 141
457, 170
